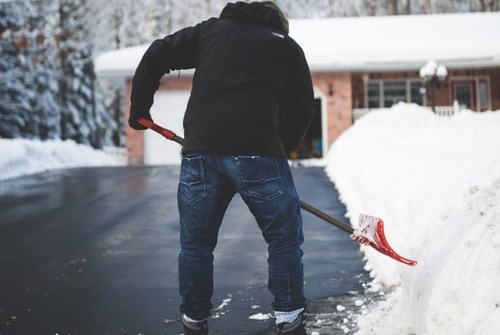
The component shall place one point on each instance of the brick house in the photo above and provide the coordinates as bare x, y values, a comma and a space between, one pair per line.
358, 64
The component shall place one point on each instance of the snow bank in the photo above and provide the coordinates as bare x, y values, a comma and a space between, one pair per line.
22, 156
436, 184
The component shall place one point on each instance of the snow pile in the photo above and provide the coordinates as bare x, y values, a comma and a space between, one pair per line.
261, 316
436, 184
22, 156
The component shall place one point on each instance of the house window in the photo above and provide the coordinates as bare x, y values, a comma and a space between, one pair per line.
374, 94
385, 93
474, 93
394, 92
483, 95
463, 93
416, 95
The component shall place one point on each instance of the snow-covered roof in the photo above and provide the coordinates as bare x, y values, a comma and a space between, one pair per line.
380, 43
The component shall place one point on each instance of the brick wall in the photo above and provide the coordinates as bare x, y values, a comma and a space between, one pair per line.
336, 88
134, 140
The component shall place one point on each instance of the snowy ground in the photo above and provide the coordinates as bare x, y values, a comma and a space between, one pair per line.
436, 183
21, 156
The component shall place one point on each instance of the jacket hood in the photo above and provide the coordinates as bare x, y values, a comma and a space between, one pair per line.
260, 12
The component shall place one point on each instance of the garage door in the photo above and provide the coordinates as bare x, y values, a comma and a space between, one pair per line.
168, 111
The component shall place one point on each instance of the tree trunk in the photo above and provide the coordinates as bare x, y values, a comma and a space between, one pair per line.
408, 7
483, 5
331, 8
117, 108
425, 6
63, 87
394, 6
472, 6
371, 7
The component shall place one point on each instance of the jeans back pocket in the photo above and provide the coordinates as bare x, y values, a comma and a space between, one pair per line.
192, 184
260, 176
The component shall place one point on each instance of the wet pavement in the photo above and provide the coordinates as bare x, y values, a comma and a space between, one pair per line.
94, 251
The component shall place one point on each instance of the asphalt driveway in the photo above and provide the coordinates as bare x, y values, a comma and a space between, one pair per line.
94, 251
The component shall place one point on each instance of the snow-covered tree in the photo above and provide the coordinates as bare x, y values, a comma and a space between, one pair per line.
76, 93
11, 82
42, 75
27, 88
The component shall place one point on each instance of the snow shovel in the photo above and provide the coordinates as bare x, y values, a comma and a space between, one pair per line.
371, 229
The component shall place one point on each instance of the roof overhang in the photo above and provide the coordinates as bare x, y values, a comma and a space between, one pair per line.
356, 44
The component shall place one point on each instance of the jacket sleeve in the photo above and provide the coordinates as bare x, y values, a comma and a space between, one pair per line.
176, 51
297, 109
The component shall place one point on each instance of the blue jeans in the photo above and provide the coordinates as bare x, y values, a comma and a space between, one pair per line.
207, 184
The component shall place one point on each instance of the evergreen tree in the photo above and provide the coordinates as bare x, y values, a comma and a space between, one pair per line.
27, 90
79, 119
43, 74
13, 105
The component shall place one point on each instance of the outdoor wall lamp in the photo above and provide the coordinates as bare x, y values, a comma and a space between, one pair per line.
433, 74
330, 89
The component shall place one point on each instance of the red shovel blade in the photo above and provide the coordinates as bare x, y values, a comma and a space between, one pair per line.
371, 232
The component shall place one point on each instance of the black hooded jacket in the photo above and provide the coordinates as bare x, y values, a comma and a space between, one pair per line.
252, 92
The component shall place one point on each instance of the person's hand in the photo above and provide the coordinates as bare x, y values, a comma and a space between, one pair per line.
133, 122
